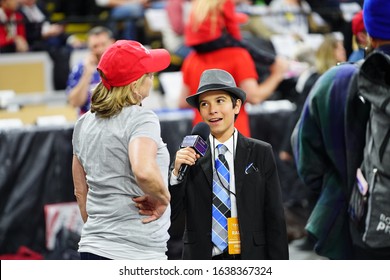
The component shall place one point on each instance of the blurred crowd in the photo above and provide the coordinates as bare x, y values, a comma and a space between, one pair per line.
59, 26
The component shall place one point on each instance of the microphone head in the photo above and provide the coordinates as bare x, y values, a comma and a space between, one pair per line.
198, 138
202, 129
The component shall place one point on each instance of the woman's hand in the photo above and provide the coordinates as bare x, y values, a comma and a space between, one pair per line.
151, 207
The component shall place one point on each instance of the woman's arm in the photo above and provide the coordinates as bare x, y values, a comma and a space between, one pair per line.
80, 187
142, 155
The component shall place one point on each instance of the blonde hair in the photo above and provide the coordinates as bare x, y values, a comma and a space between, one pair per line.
201, 9
325, 57
107, 103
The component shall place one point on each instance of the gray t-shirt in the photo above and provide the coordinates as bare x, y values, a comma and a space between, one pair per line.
114, 228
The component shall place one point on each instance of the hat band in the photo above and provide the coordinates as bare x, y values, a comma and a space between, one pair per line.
213, 87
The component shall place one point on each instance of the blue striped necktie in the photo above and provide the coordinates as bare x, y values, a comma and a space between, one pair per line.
221, 199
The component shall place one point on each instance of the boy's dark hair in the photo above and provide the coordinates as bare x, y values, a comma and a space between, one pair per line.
234, 101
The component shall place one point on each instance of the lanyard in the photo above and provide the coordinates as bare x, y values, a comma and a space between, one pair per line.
214, 151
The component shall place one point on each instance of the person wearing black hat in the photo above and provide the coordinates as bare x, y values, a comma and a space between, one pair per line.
329, 143
232, 203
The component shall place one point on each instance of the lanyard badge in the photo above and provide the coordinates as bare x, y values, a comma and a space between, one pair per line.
234, 242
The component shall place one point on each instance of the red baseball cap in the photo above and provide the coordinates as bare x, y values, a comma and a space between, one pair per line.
358, 23
126, 61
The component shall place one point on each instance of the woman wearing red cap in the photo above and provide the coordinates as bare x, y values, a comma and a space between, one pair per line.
120, 160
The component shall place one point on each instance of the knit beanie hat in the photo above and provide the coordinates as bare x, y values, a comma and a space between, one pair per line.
376, 15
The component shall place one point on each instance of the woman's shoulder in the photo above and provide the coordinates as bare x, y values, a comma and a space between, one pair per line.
78, 124
139, 112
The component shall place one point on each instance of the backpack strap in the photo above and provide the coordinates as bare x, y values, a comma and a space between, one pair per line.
356, 117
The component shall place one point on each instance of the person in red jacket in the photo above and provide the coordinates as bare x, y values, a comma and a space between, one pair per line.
215, 24
209, 20
12, 29
213, 31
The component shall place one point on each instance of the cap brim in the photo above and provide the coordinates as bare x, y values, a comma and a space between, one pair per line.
237, 92
159, 60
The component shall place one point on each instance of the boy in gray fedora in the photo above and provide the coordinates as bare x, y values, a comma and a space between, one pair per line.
231, 196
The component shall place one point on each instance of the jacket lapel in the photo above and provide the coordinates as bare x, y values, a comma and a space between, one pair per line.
205, 163
243, 151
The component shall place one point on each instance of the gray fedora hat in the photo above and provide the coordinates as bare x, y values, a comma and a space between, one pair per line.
216, 79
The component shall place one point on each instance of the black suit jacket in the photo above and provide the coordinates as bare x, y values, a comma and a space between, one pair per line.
259, 204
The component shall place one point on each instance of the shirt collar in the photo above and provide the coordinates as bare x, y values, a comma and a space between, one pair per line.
228, 143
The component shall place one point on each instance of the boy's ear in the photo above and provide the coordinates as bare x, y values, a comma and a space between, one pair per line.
237, 106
